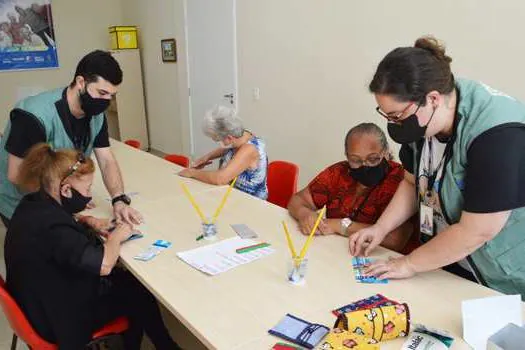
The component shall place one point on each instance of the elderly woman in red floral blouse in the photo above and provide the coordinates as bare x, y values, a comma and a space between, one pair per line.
355, 191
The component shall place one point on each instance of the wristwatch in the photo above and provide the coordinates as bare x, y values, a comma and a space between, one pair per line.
345, 224
122, 198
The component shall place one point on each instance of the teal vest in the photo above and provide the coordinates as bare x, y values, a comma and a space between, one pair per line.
43, 107
501, 261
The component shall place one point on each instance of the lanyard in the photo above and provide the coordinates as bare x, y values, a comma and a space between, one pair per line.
356, 211
434, 173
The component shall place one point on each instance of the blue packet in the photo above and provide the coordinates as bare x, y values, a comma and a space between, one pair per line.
299, 331
162, 243
358, 264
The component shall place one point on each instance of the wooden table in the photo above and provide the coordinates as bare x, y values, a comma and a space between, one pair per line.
234, 310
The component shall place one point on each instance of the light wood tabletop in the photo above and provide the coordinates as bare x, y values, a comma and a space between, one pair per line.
234, 310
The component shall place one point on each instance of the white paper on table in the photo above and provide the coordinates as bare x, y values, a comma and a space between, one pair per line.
220, 257
484, 317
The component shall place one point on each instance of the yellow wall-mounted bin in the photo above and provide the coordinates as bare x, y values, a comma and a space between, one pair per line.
123, 37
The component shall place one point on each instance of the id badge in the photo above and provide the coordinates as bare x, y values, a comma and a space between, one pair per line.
426, 219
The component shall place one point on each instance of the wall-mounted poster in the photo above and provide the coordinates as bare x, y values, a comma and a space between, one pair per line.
27, 38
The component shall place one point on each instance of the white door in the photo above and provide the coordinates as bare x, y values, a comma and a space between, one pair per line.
212, 63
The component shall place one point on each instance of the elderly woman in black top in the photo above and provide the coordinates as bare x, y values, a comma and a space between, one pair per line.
62, 276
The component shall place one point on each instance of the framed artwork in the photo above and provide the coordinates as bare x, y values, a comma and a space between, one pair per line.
27, 35
169, 50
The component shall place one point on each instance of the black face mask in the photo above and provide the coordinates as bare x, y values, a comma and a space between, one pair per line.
92, 106
370, 175
76, 203
409, 130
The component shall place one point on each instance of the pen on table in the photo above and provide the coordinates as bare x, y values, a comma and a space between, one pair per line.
251, 247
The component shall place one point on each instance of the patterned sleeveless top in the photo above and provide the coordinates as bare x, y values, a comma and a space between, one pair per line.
251, 181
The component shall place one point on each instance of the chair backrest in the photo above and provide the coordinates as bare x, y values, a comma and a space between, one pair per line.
133, 143
178, 159
282, 182
19, 323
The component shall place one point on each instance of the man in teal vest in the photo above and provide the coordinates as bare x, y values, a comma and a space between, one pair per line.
71, 117
464, 152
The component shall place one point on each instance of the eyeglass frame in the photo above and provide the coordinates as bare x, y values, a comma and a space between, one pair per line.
81, 159
367, 161
397, 118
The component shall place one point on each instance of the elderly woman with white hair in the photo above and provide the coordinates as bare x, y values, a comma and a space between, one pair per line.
241, 153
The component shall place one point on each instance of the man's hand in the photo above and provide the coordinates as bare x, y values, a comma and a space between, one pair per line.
125, 213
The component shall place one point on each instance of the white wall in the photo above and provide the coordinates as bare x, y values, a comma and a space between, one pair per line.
313, 60
80, 27
165, 83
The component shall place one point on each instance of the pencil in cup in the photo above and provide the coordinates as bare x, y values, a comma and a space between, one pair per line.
194, 203
289, 240
226, 195
311, 236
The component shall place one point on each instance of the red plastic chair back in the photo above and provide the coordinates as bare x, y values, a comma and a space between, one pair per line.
178, 159
23, 329
133, 143
282, 182
19, 323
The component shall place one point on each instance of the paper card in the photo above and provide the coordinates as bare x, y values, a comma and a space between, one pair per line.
244, 231
484, 317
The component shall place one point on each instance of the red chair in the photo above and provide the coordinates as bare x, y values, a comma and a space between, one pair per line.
282, 182
178, 159
133, 143
23, 329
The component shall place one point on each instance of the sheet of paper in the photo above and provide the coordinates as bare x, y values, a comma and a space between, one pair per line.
220, 257
484, 317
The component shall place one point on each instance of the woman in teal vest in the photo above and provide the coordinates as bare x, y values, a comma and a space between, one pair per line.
462, 147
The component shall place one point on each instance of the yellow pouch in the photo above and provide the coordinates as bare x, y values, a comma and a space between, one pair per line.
378, 324
340, 339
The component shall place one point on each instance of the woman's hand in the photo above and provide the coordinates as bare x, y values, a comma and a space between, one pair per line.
307, 223
201, 162
122, 232
101, 226
186, 172
330, 226
393, 268
364, 241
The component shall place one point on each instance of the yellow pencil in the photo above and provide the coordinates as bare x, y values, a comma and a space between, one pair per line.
195, 205
289, 239
310, 238
219, 208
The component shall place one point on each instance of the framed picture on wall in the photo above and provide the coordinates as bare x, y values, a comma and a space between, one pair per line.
27, 35
169, 50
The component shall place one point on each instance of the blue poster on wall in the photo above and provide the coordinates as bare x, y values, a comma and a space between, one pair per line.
27, 36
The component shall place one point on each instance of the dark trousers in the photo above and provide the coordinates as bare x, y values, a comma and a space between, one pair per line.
125, 296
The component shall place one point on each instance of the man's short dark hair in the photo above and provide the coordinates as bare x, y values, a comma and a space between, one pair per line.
97, 64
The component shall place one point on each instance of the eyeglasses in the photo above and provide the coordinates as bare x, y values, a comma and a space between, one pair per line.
81, 159
371, 160
391, 117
